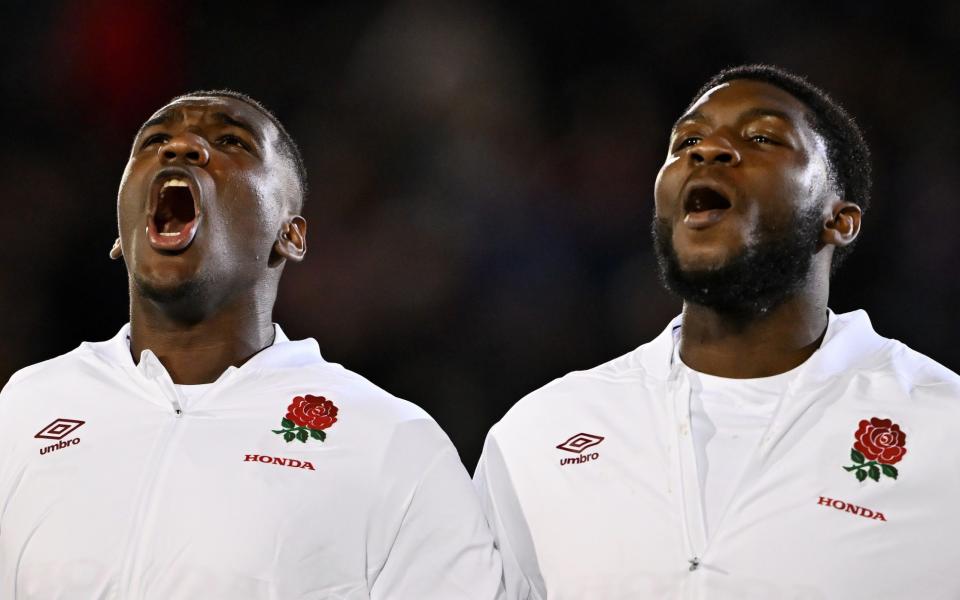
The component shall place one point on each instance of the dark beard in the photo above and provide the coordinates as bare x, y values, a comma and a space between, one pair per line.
757, 280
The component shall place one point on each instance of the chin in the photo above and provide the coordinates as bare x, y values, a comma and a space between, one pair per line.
751, 279
167, 290
698, 260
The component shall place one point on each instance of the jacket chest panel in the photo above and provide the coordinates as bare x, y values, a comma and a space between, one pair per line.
804, 509
218, 496
603, 474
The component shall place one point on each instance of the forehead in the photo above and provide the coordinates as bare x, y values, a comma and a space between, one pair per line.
214, 109
741, 96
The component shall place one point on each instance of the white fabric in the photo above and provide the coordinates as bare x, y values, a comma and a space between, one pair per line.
727, 419
192, 392
152, 505
624, 519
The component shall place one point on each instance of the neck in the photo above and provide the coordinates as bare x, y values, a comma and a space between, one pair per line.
199, 350
763, 345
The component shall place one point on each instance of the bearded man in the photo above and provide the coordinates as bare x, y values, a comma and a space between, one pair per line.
762, 446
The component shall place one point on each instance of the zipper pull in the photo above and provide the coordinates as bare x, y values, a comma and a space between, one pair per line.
694, 563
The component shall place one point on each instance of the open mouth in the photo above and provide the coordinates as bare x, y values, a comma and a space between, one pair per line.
702, 199
174, 215
704, 206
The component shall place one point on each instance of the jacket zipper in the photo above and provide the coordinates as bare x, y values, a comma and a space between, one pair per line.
687, 482
153, 474
754, 461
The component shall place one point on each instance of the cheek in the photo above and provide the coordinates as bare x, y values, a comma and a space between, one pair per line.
775, 196
252, 195
667, 187
240, 202
803, 181
131, 201
244, 232
125, 216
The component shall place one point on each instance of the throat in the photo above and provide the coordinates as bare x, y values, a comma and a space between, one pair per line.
198, 352
763, 346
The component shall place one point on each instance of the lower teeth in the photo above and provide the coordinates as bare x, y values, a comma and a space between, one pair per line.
171, 234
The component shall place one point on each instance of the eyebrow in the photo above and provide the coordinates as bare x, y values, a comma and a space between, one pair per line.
164, 117
753, 113
766, 112
226, 119
690, 116
221, 117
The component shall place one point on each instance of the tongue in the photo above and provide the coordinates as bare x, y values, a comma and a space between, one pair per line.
172, 226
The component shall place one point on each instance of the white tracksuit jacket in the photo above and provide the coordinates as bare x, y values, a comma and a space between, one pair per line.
591, 483
123, 498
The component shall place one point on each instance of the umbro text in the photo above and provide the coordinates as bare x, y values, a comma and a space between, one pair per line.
276, 460
579, 459
853, 509
59, 445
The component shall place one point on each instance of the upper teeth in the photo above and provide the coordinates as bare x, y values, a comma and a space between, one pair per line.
175, 183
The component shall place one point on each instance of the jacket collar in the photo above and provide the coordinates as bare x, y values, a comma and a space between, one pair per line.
850, 342
283, 353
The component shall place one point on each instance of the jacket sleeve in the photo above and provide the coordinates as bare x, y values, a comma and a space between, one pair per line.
521, 572
8, 477
428, 538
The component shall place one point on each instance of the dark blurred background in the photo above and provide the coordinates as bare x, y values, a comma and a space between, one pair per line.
481, 172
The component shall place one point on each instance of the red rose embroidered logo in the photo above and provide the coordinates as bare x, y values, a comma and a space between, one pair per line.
878, 445
307, 417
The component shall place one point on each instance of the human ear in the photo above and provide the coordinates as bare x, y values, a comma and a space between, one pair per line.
116, 251
291, 241
843, 226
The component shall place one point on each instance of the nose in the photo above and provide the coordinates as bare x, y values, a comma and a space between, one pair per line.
715, 149
187, 148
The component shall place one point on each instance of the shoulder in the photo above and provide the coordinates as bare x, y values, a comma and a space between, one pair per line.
32, 392
88, 361
361, 394
367, 411
401, 444
859, 359
52, 372
569, 399
917, 374
299, 367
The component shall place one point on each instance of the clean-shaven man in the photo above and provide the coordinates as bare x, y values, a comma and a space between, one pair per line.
200, 453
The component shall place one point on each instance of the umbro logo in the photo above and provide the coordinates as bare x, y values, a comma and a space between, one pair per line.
577, 444
58, 430
580, 442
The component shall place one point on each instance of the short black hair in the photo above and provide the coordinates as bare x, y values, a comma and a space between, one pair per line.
287, 146
848, 155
